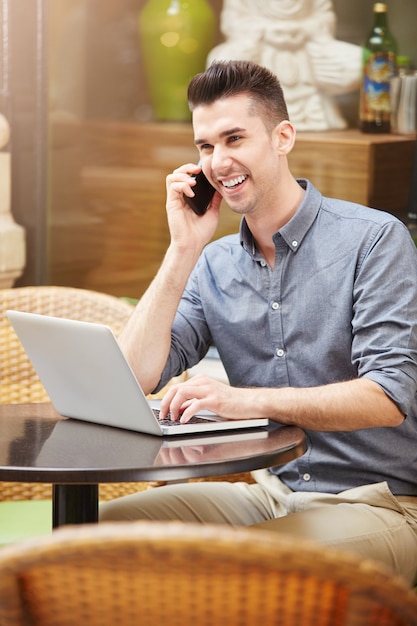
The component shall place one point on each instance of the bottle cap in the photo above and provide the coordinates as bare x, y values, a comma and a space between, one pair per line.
380, 7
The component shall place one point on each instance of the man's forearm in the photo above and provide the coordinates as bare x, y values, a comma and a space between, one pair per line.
146, 338
341, 406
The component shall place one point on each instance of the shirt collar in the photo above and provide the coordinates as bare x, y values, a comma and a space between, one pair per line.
294, 231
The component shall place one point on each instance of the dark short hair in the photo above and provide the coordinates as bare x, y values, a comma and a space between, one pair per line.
223, 79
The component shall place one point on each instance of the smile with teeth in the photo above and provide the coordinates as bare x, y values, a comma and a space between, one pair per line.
233, 182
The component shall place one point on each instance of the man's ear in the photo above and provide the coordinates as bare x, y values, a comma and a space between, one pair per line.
285, 135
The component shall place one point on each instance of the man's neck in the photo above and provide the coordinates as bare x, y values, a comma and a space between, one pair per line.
263, 227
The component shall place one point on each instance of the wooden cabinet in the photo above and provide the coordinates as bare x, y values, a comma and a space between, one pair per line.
374, 170
121, 171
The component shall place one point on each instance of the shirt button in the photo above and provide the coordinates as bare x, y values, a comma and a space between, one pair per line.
275, 305
306, 477
280, 352
263, 263
294, 243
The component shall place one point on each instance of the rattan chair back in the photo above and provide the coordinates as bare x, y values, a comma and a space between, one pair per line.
19, 382
175, 574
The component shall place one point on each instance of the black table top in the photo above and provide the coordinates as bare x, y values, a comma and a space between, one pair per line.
38, 445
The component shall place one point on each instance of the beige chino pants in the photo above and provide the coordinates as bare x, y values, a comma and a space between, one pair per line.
368, 520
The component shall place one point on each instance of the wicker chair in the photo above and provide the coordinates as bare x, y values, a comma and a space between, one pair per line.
159, 574
20, 383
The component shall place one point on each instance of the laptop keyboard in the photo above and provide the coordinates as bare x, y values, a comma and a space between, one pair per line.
169, 422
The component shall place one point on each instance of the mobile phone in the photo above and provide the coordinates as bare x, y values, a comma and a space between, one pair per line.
204, 192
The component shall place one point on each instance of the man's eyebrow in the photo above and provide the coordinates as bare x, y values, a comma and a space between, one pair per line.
225, 133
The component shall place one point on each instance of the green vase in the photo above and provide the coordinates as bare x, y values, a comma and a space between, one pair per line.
176, 37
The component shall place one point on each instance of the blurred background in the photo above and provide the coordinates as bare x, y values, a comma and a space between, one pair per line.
88, 159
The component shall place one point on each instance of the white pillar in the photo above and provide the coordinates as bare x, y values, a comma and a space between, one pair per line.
12, 236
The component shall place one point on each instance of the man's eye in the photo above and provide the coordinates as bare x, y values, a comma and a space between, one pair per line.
234, 138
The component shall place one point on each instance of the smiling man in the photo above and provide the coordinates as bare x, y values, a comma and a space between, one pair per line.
313, 310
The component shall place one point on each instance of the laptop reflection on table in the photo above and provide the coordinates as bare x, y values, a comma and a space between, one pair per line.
73, 444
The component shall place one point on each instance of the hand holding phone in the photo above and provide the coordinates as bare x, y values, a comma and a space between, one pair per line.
204, 193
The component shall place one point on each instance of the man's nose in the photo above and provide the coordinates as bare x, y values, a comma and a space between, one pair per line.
220, 159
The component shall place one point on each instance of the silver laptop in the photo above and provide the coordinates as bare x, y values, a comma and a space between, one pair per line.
87, 377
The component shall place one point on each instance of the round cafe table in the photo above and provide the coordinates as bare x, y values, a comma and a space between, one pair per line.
38, 445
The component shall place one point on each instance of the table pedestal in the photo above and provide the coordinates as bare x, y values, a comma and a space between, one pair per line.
74, 504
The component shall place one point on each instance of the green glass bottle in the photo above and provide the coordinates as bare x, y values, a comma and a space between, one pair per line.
176, 37
379, 66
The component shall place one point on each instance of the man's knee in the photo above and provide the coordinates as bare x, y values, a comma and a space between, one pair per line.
209, 502
159, 503
184, 502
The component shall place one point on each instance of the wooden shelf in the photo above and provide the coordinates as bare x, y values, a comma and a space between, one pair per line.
374, 170
121, 172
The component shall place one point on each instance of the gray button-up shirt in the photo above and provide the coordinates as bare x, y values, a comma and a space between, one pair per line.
340, 303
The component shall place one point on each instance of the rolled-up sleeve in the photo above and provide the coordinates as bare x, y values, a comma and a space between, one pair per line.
384, 324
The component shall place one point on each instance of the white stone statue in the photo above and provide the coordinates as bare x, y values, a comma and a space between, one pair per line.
296, 40
12, 236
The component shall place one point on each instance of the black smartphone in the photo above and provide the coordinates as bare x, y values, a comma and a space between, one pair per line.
204, 192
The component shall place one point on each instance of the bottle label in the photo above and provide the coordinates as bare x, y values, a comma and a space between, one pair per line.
377, 72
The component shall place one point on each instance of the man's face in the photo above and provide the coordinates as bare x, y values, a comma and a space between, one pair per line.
239, 155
